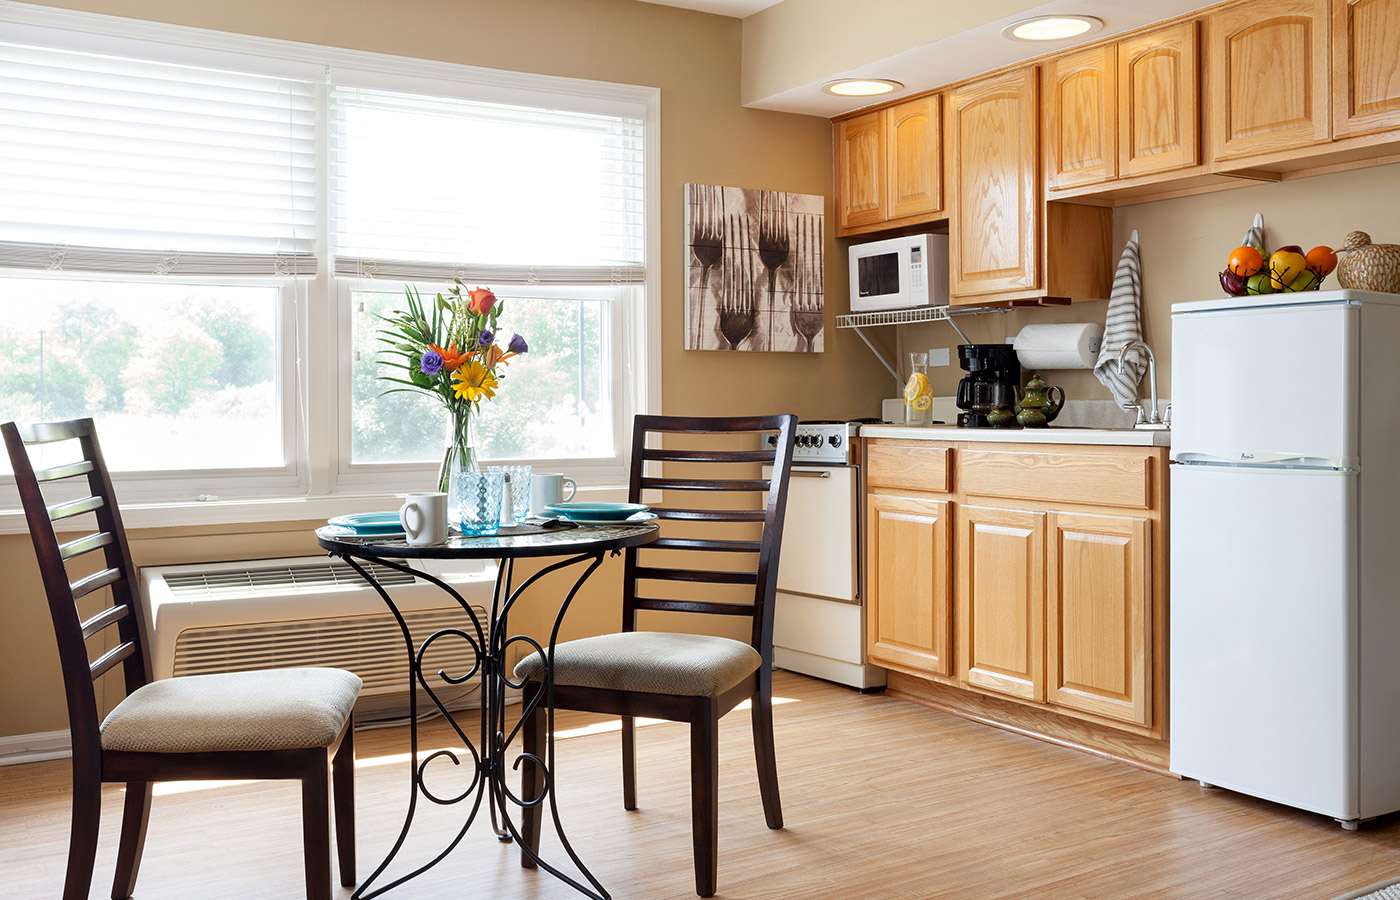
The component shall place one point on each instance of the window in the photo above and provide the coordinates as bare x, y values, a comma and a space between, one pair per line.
198, 230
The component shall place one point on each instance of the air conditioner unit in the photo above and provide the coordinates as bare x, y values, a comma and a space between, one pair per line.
316, 611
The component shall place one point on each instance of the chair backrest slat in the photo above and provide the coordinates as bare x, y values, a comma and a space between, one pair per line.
85, 544
96, 581
724, 468
702, 544
711, 515
67, 470
74, 508
111, 658
116, 574
696, 606
696, 576
109, 616
698, 484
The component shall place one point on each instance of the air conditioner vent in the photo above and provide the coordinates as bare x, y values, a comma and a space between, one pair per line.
371, 646
277, 580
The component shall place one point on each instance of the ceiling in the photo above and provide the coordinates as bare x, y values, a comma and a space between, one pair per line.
793, 47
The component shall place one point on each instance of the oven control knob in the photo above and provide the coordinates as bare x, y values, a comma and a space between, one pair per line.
835, 441
817, 440
805, 440
772, 440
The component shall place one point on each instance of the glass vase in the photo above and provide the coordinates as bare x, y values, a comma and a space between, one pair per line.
459, 457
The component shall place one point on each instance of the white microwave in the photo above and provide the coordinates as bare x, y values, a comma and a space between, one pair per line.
900, 273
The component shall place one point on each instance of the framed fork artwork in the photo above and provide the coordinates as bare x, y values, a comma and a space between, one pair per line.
753, 269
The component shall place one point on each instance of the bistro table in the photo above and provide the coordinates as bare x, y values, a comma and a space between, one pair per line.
490, 641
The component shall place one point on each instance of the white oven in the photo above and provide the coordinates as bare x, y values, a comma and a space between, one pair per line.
819, 617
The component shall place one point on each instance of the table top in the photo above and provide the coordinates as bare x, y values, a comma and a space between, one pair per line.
561, 541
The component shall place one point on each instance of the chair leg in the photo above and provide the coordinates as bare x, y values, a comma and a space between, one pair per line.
82, 839
704, 801
316, 829
765, 753
343, 789
629, 762
535, 742
135, 815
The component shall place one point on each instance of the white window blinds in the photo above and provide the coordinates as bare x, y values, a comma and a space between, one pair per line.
433, 188
129, 166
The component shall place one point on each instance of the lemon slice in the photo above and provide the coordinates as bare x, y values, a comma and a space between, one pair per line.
916, 389
923, 402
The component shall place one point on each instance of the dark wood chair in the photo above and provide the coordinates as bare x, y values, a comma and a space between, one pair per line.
689, 678
289, 723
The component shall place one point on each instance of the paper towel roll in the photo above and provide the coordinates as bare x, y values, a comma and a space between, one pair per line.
1071, 345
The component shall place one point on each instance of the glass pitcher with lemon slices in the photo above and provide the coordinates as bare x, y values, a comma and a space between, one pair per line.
918, 393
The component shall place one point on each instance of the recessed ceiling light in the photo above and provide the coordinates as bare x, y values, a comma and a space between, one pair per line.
861, 87
1051, 28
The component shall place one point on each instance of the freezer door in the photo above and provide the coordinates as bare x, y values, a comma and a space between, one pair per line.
1264, 667
1266, 383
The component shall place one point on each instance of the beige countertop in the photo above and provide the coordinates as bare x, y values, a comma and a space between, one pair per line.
1122, 437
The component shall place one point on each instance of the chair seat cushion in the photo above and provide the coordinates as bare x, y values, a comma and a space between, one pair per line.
649, 662
275, 709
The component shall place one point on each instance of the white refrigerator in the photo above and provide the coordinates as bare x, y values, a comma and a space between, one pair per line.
1285, 549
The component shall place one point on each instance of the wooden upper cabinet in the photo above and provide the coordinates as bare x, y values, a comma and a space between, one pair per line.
1365, 66
1158, 108
1001, 600
993, 176
914, 137
1269, 86
1080, 123
1098, 610
909, 585
861, 192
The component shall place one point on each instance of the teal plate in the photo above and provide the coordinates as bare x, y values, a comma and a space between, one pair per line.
596, 512
370, 523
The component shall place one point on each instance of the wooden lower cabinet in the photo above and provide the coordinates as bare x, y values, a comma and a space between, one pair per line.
1098, 617
1001, 600
909, 587
997, 574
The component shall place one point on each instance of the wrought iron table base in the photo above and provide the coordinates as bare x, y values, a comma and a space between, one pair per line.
490, 646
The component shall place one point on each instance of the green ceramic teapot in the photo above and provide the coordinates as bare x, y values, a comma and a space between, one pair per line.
1040, 406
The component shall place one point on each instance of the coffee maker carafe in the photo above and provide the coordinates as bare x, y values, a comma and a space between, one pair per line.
993, 379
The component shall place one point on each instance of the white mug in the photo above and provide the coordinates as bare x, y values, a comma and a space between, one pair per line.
424, 518
547, 489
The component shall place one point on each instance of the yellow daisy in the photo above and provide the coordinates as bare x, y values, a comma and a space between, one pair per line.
471, 382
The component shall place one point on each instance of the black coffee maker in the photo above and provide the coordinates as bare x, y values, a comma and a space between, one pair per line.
992, 380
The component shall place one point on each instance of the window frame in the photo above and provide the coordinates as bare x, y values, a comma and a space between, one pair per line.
311, 484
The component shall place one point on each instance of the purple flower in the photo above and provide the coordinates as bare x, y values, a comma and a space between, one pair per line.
486, 338
431, 362
518, 345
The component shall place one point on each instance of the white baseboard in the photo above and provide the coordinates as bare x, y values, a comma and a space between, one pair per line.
28, 748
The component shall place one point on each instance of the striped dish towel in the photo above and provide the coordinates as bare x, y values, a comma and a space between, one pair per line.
1123, 324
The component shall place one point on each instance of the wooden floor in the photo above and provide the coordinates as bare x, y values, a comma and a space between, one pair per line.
883, 799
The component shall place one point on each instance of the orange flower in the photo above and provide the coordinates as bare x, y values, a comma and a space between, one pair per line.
480, 302
494, 354
451, 359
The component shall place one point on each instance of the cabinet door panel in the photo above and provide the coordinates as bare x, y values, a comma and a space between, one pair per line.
1158, 112
1098, 616
915, 160
860, 151
909, 589
1269, 85
1001, 601
1081, 92
994, 232
1365, 66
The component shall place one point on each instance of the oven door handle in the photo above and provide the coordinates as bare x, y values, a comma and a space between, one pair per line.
809, 473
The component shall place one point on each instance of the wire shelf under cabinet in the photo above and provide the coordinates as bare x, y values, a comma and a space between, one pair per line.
912, 316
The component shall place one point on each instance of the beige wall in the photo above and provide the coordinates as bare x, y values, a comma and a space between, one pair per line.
1184, 245
706, 136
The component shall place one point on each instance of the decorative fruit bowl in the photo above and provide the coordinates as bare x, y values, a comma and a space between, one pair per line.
1287, 269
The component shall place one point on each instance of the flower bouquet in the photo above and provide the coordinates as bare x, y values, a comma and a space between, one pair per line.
450, 353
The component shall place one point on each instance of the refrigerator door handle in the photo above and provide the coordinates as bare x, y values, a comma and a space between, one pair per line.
1265, 458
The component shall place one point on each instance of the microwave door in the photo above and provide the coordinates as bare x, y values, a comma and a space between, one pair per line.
879, 276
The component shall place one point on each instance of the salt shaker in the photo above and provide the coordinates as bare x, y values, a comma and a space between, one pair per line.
507, 502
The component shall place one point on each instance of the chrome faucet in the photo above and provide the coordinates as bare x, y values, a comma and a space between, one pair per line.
1147, 419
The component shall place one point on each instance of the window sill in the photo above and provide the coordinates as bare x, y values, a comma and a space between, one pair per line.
257, 510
